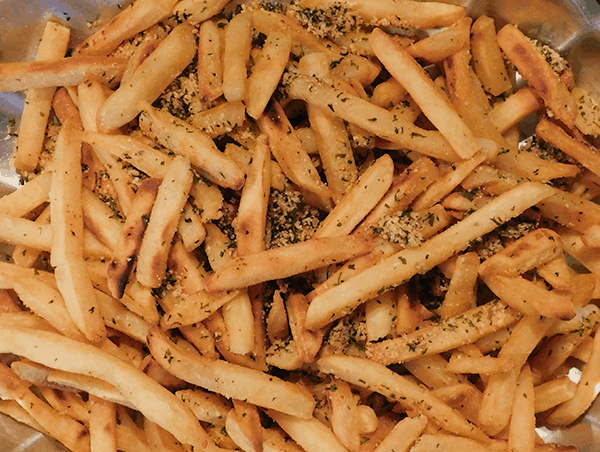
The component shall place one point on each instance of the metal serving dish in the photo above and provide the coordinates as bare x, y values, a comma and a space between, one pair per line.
570, 26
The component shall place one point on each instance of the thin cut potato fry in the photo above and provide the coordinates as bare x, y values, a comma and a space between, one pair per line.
445, 335
311, 434
64, 428
398, 268
18, 413
236, 52
403, 435
199, 10
100, 219
154, 401
62, 72
359, 200
206, 406
487, 57
149, 80
521, 435
32, 195
344, 414
103, 423
366, 373
377, 120
515, 108
553, 392
403, 14
448, 443
461, 295
141, 54
535, 69
210, 64
268, 265
140, 16
231, 380
170, 199
221, 119
267, 72
130, 239
160, 440
427, 95
192, 143
36, 111
442, 44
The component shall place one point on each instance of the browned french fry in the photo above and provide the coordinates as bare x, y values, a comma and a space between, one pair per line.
170, 199
141, 15
398, 268
59, 72
535, 69
366, 373
64, 428
267, 265
289, 153
427, 95
150, 79
487, 58
130, 238
231, 380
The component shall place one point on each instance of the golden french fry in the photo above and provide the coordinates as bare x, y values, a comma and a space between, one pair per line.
268, 265
198, 10
221, 119
366, 373
515, 108
170, 199
59, 72
537, 71
403, 435
236, 52
553, 392
150, 79
206, 406
427, 95
438, 46
192, 143
141, 15
32, 195
103, 424
487, 57
231, 380
210, 63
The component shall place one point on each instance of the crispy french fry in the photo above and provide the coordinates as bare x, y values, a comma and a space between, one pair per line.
103, 424
192, 143
427, 95
59, 72
149, 80
231, 380
535, 69
553, 392
521, 435
487, 57
515, 108
141, 54
32, 195
398, 268
210, 64
255, 268
206, 406
438, 46
198, 10
34, 117
403, 435
170, 199
221, 119
236, 52
365, 373
141, 15
461, 295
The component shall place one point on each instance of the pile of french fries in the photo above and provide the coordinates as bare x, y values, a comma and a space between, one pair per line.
257, 228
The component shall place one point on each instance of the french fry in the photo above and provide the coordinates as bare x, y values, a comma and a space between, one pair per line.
427, 95
64, 428
210, 64
100, 219
344, 414
448, 443
402, 14
267, 72
515, 108
487, 57
553, 392
569, 411
141, 15
191, 228
221, 119
266, 266
289, 153
535, 69
198, 10
34, 117
160, 440
192, 143
231, 380
433, 371
130, 238
103, 424
206, 406
379, 316
170, 199
438, 46
461, 295
398, 268
141, 54
403, 435
521, 435
236, 52
144, 393
59, 72
18, 413
32, 195
149, 80
365, 373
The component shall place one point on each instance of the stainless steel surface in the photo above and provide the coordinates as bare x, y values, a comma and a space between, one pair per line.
572, 27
